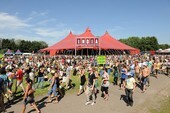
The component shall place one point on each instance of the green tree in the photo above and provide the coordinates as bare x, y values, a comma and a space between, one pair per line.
143, 43
163, 46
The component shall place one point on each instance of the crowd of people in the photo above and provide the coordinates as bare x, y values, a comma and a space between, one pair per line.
128, 72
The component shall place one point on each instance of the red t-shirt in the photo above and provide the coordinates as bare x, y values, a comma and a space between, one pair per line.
19, 74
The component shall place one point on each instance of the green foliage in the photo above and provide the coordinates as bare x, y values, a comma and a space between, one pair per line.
143, 43
23, 45
164, 46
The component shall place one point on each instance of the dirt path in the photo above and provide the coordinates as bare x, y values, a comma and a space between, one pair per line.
160, 88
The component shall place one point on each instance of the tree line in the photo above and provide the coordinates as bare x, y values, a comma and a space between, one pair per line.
144, 43
22, 45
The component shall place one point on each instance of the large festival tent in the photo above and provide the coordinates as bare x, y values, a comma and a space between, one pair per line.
107, 42
89, 43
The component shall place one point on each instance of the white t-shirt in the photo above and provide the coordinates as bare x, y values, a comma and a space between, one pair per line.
31, 76
130, 83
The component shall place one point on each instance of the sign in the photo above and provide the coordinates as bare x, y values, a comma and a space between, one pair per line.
87, 41
101, 59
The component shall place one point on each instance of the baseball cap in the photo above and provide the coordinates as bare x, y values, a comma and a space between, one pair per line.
129, 74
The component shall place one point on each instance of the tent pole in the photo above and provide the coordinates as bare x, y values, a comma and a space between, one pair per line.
87, 52
75, 46
81, 52
75, 50
116, 52
99, 46
111, 51
107, 51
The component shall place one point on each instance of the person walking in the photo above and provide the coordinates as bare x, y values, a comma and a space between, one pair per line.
53, 87
29, 96
68, 76
115, 75
90, 95
123, 76
40, 78
145, 73
129, 84
82, 81
19, 76
105, 84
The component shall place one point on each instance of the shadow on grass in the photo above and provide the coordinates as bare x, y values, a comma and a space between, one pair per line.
139, 85
11, 112
13, 101
40, 104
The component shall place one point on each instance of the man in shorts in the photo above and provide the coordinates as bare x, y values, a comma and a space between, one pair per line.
145, 74
19, 77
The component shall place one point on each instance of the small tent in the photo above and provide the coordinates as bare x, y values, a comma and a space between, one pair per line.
18, 52
9, 52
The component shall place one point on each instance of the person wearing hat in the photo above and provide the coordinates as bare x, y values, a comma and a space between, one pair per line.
129, 84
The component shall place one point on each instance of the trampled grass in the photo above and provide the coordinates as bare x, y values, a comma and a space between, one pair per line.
164, 108
75, 81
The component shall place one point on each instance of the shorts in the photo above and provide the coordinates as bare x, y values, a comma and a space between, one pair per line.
104, 89
156, 71
19, 83
144, 80
122, 80
29, 100
53, 90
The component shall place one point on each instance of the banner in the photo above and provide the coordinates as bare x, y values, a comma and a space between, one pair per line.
101, 59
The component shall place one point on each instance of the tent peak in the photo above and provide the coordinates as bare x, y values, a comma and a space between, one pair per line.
70, 33
106, 32
88, 29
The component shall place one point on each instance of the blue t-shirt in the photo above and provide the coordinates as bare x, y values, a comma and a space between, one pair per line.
5, 79
123, 75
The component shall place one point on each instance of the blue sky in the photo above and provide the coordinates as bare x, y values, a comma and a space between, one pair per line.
52, 20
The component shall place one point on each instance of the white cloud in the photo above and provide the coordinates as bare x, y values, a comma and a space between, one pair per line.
11, 22
44, 13
54, 33
44, 22
48, 30
35, 13
115, 29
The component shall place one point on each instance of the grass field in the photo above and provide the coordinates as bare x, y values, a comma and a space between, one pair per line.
75, 81
1, 55
164, 107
